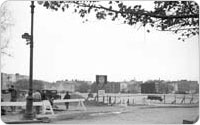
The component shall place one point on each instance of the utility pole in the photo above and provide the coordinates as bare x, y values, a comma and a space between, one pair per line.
29, 38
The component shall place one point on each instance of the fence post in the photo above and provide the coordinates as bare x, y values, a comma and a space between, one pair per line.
128, 102
191, 99
175, 99
164, 98
109, 99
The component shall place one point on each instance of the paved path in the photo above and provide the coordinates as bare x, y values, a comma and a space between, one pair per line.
134, 115
119, 115
61, 115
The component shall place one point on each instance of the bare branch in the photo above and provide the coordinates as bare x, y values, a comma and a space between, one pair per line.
4, 53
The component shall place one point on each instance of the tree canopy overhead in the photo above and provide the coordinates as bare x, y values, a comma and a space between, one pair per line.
5, 25
180, 17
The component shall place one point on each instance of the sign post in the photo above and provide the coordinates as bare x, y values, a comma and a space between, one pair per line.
101, 80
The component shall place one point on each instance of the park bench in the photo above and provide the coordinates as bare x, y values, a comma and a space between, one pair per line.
47, 108
79, 106
45, 104
20, 104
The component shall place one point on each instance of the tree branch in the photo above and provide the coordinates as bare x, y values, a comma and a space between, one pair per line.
151, 14
6, 54
195, 28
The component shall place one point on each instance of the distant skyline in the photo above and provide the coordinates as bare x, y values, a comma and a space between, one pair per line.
66, 48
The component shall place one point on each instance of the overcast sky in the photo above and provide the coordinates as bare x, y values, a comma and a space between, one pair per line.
66, 48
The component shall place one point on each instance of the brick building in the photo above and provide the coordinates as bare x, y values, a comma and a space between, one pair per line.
149, 87
134, 87
110, 87
185, 86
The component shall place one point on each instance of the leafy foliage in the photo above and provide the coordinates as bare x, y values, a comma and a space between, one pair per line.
180, 17
24, 84
5, 24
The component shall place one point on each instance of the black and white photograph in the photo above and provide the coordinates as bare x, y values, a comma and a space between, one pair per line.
99, 62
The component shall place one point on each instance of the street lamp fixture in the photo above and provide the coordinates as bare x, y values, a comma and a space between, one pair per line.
27, 37
29, 100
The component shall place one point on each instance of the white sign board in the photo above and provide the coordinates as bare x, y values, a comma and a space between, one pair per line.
101, 92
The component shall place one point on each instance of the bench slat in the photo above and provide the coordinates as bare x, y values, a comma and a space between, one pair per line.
20, 103
68, 100
40, 103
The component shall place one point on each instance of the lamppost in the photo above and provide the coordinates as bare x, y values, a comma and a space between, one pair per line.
29, 39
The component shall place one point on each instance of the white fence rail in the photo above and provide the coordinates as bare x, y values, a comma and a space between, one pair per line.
139, 98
